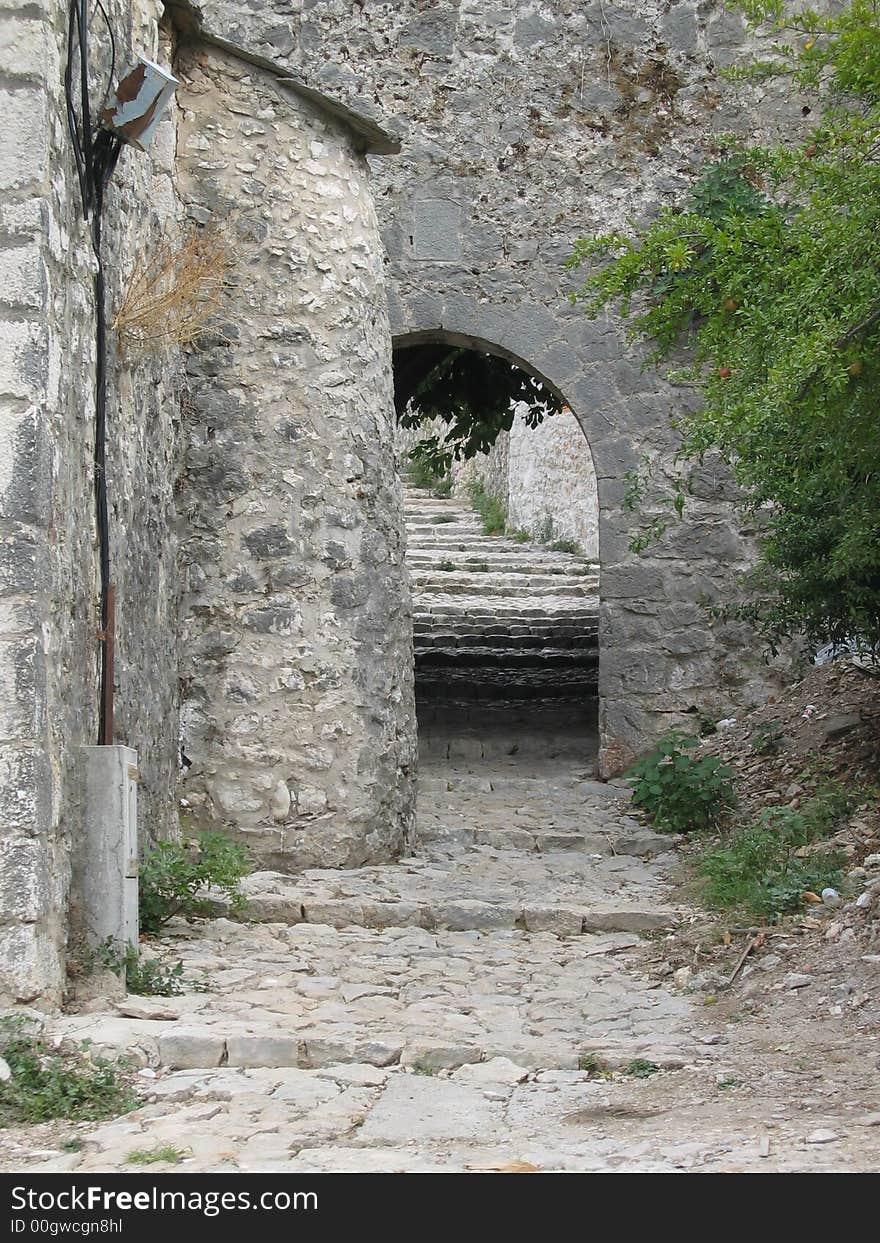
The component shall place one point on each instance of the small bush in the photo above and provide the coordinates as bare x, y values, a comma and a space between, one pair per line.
447, 566
764, 868
522, 536
172, 875
46, 1084
421, 472
679, 793
145, 976
149, 978
593, 1064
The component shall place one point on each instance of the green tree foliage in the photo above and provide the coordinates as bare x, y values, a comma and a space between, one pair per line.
471, 391
769, 278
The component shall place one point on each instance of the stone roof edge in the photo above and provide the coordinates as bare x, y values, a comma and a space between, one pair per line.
187, 18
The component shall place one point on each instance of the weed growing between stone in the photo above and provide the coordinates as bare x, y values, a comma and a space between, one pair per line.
165, 1154
173, 877
641, 1068
45, 1083
489, 508
679, 793
567, 545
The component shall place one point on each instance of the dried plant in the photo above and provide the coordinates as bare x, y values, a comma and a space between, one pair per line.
175, 288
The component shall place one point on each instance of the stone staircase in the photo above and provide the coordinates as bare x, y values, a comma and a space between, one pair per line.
506, 646
496, 621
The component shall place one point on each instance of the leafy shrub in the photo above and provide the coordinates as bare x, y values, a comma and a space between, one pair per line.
145, 976
678, 792
172, 876
150, 978
46, 1084
759, 868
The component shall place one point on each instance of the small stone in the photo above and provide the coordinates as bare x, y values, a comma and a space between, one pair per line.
769, 961
822, 1136
831, 897
5, 1070
871, 861
764, 1146
147, 1072
280, 805
796, 979
497, 1070
143, 1008
863, 900
870, 1120
682, 976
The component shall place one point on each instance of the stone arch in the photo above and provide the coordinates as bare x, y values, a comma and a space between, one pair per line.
511, 334
662, 657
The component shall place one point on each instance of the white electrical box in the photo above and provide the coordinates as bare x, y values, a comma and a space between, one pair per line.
107, 855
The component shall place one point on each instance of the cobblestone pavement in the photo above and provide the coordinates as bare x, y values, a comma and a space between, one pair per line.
450, 1013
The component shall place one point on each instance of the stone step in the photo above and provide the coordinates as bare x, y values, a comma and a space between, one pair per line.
518, 581
506, 658
512, 563
505, 614
464, 585
504, 641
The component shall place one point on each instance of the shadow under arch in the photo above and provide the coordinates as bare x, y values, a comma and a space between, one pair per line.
494, 680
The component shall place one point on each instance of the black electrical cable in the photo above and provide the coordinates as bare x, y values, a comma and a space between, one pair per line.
95, 159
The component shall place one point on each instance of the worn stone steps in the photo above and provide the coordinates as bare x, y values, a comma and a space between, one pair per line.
441, 639
482, 586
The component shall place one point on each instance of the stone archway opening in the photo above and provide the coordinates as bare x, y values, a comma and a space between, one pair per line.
506, 610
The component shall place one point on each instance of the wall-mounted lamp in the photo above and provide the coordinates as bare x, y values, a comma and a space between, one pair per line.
140, 99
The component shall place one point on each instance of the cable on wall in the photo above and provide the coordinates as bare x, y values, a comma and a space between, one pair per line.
95, 155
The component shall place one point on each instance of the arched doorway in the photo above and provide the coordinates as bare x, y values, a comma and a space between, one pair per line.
503, 558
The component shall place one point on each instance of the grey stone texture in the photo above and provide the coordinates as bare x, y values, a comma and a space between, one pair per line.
48, 569
301, 516
297, 637
534, 125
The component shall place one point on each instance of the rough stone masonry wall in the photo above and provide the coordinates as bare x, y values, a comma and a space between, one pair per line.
298, 714
532, 124
545, 478
551, 481
48, 562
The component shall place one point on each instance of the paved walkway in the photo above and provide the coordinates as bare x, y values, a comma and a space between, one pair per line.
450, 1014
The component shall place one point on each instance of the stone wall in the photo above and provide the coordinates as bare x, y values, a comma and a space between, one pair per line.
531, 124
545, 478
261, 473
49, 614
298, 717
551, 482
